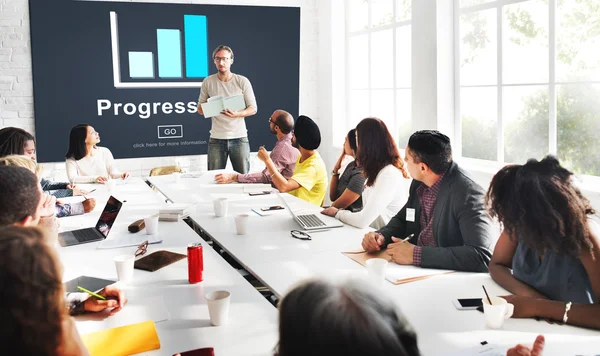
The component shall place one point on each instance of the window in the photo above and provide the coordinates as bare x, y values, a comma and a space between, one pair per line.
378, 65
529, 81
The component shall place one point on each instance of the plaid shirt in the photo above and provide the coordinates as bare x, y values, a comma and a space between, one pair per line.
427, 198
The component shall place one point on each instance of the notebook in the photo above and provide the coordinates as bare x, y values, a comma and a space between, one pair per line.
395, 273
122, 341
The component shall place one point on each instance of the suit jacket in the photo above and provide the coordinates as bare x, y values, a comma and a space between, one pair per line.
462, 229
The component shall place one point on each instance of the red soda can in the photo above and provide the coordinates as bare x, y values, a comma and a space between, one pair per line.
195, 262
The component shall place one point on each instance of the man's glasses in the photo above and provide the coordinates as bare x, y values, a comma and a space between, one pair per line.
141, 249
224, 59
301, 235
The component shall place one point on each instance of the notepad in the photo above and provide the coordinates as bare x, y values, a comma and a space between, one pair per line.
123, 341
216, 104
395, 273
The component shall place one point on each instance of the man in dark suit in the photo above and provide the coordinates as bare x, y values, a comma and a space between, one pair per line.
444, 216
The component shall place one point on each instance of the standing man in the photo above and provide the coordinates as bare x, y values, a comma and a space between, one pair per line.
309, 180
284, 155
228, 135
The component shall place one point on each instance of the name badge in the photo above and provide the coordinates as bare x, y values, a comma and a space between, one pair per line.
410, 214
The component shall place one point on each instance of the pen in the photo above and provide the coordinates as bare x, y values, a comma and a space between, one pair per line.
408, 237
91, 191
91, 293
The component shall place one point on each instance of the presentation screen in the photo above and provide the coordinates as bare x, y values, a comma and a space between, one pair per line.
134, 71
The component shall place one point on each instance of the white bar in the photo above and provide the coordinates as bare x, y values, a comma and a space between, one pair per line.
114, 41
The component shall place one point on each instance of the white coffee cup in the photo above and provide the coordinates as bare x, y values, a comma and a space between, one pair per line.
220, 206
218, 306
241, 224
124, 265
376, 269
111, 184
497, 312
151, 223
177, 177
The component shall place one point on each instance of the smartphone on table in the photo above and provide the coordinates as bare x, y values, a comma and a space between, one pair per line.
467, 304
275, 207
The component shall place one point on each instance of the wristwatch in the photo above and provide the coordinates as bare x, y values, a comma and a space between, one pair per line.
333, 173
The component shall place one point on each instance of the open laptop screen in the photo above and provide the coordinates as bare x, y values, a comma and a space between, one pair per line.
109, 215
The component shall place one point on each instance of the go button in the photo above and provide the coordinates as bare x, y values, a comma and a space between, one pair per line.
170, 131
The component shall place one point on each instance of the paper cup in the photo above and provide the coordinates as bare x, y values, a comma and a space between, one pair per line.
220, 206
218, 306
111, 184
177, 177
151, 223
124, 266
241, 224
376, 269
497, 312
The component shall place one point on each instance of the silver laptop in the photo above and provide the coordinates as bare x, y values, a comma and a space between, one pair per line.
312, 221
96, 233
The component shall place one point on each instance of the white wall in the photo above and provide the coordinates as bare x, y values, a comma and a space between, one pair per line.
16, 88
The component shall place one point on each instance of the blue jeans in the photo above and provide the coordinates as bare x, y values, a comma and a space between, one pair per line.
238, 149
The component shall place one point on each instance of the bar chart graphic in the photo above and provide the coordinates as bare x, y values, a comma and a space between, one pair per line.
169, 57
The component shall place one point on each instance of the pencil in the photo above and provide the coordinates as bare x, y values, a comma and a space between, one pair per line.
91, 293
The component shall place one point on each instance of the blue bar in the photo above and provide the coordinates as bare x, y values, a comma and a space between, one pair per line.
141, 65
169, 53
196, 46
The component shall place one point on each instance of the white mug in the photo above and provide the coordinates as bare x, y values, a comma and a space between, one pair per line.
497, 312
220, 206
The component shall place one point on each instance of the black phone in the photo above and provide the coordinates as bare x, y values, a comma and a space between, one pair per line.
207, 351
276, 207
468, 304
259, 193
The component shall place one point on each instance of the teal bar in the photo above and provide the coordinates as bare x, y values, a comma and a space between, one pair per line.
196, 46
169, 53
141, 65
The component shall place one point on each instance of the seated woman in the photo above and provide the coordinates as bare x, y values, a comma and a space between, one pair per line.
317, 317
548, 253
345, 191
385, 193
61, 209
16, 141
36, 321
86, 162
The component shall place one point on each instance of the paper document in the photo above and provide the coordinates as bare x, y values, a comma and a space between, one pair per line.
216, 104
257, 188
395, 273
125, 340
260, 212
129, 240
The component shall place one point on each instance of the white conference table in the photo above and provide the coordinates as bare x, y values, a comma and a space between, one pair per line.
280, 261
252, 325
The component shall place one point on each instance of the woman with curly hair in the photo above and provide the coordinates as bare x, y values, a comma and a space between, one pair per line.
548, 254
33, 315
385, 192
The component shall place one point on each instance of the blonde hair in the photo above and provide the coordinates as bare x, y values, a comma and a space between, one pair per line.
22, 161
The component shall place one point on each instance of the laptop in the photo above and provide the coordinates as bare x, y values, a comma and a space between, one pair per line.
312, 221
96, 233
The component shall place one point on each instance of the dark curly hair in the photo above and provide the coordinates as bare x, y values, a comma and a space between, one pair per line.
539, 206
376, 149
32, 298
